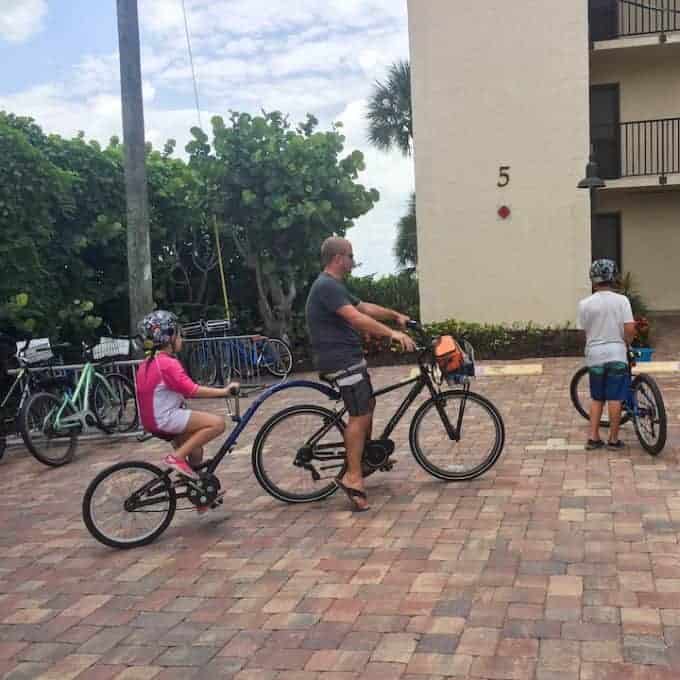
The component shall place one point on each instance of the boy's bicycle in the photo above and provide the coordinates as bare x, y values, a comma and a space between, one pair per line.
643, 405
26, 382
455, 435
50, 424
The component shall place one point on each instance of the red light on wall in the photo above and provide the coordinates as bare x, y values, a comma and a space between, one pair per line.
504, 212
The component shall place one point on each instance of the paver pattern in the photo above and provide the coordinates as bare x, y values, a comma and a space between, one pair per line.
558, 564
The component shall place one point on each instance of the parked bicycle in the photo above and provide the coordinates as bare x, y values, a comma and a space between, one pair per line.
643, 405
213, 356
37, 372
455, 435
244, 358
51, 424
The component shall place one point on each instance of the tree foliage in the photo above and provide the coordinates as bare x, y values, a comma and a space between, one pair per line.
269, 192
279, 192
390, 114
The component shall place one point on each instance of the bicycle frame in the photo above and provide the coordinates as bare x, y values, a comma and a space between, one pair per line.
79, 401
419, 382
230, 442
10, 391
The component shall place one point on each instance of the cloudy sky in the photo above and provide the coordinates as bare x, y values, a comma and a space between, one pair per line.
60, 66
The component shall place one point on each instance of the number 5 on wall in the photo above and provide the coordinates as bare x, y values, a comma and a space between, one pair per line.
503, 176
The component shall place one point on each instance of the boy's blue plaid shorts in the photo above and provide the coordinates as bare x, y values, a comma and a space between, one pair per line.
609, 382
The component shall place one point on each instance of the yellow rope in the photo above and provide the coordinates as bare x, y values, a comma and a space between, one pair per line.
219, 258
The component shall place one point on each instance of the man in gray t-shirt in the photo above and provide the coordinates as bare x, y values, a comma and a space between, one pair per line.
335, 321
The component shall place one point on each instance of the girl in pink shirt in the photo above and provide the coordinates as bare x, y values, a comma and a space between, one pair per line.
162, 387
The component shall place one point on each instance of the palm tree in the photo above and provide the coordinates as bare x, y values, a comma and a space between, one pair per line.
390, 126
406, 246
390, 118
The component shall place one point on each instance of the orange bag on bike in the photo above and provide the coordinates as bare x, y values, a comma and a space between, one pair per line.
448, 354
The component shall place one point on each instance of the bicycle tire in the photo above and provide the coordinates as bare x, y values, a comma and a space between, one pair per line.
579, 386
90, 513
262, 444
33, 421
202, 364
450, 474
280, 361
124, 416
641, 383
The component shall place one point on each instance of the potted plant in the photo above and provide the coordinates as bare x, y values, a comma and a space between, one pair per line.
640, 344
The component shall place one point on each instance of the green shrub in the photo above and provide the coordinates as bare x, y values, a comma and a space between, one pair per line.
394, 291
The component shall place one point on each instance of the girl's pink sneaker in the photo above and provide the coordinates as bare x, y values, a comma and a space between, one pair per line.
181, 466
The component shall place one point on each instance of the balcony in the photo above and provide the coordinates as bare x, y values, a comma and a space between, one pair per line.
638, 154
642, 21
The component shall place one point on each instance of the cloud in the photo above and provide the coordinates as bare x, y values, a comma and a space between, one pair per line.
21, 19
297, 57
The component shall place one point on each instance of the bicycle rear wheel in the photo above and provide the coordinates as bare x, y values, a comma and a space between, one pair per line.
579, 391
114, 404
287, 464
129, 504
51, 446
649, 418
276, 357
480, 439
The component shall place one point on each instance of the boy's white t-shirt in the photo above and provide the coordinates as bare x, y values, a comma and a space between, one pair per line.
602, 316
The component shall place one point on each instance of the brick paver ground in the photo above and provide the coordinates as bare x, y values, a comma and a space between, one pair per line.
557, 565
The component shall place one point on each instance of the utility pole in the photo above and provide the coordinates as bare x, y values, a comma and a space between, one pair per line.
138, 245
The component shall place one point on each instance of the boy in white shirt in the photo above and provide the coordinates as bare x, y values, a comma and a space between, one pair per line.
607, 319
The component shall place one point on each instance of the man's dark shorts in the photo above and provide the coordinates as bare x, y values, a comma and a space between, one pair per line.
609, 382
355, 388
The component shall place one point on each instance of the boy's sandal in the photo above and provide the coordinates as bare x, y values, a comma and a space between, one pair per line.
618, 444
593, 444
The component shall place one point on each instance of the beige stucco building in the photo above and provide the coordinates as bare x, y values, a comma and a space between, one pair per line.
508, 98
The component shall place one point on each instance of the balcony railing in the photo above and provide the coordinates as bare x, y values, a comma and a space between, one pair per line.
618, 18
638, 148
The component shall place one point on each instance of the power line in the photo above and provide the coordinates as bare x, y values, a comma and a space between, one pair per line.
191, 61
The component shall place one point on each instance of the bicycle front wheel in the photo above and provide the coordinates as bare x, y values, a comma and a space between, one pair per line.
51, 444
129, 504
579, 391
276, 357
202, 364
114, 403
289, 462
475, 449
649, 417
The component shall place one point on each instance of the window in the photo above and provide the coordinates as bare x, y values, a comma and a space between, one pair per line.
606, 238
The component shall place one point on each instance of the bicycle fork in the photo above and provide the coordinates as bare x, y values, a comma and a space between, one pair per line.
452, 432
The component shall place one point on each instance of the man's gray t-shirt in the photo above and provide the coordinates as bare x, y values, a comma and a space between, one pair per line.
335, 343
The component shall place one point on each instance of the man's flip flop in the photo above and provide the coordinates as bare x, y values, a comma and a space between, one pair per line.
352, 495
